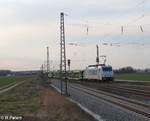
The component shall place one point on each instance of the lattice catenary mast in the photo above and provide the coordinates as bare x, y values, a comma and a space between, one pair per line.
62, 54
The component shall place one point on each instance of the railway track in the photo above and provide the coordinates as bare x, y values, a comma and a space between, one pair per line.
120, 88
130, 104
135, 86
140, 92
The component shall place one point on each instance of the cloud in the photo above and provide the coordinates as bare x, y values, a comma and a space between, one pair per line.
28, 26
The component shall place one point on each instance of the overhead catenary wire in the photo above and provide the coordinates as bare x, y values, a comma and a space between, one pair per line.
123, 26
141, 3
141, 29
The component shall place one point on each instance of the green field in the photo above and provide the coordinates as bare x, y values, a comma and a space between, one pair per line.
13, 79
137, 77
20, 99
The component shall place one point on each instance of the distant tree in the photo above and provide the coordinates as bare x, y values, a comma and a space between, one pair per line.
5, 72
147, 70
127, 69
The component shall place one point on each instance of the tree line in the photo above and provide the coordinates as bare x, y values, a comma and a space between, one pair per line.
130, 69
18, 73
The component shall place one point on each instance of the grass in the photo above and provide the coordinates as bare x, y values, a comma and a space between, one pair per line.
21, 99
135, 76
35, 101
13, 79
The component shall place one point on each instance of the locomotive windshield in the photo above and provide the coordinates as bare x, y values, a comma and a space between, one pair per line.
107, 68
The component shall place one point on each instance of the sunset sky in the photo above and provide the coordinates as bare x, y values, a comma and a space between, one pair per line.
28, 26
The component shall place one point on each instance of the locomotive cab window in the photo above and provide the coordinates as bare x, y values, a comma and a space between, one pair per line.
107, 68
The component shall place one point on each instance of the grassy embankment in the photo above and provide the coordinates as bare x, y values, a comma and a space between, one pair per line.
134, 76
35, 101
19, 99
13, 79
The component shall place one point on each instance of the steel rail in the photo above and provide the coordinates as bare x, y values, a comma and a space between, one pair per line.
130, 90
131, 105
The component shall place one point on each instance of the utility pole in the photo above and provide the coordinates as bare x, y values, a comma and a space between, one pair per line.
97, 58
48, 64
62, 54
69, 61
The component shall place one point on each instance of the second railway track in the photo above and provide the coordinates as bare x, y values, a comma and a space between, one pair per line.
145, 93
119, 88
130, 104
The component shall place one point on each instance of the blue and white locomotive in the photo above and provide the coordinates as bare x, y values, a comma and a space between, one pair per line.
99, 72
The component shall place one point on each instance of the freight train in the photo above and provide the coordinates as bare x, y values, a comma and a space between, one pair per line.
99, 72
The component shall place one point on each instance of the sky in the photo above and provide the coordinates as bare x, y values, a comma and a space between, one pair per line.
27, 27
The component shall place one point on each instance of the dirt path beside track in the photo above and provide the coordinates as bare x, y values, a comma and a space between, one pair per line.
55, 107
9, 87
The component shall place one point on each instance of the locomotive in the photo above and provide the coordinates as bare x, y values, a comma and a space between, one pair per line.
99, 72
